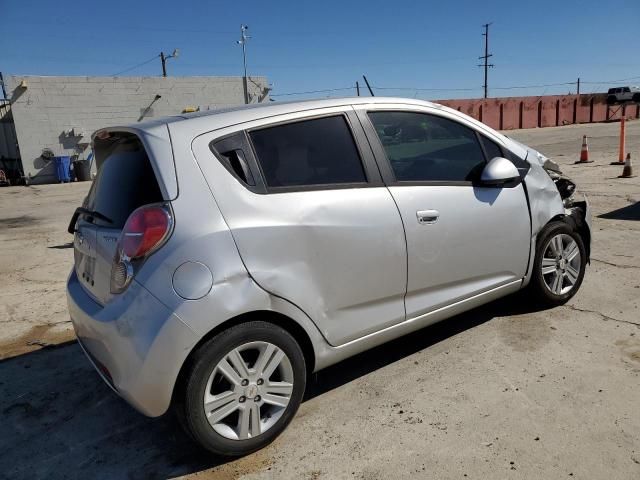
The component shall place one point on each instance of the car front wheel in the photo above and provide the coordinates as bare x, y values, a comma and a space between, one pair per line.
242, 388
559, 264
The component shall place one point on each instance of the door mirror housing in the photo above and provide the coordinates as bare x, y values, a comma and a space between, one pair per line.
498, 172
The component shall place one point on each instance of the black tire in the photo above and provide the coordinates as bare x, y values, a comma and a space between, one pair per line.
189, 405
537, 285
611, 100
636, 98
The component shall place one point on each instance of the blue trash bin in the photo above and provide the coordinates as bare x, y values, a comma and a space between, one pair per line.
63, 165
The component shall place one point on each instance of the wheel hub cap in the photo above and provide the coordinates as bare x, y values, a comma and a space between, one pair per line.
251, 391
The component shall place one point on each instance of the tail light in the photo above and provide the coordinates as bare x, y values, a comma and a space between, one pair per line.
146, 230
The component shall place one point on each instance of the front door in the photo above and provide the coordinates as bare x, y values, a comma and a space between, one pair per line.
462, 238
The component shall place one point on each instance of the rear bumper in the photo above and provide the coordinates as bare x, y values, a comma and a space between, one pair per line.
135, 343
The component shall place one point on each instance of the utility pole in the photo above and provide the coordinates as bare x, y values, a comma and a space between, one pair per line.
164, 64
578, 88
485, 57
164, 58
243, 41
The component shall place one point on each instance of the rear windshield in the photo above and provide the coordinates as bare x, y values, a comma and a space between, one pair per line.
125, 179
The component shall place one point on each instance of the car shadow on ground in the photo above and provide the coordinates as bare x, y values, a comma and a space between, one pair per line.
63, 246
59, 420
630, 212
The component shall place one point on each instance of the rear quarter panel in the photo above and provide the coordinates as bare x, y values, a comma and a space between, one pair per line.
202, 235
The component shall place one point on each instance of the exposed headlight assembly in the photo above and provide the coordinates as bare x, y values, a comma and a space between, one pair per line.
565, 186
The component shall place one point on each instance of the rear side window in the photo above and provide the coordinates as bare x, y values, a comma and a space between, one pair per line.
491, 148
320, 151
232, 152
125, 179
423, 147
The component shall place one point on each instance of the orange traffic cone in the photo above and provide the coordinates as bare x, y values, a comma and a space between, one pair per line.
627, 171
584, 153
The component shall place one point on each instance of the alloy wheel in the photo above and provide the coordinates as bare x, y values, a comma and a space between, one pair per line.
561, 264
248, 390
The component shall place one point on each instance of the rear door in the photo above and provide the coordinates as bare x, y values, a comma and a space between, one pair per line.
125, 181
462, 238
312, 221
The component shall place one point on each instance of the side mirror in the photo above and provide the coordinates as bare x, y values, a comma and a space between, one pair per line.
499, 171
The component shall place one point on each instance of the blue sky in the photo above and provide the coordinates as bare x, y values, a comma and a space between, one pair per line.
305, 46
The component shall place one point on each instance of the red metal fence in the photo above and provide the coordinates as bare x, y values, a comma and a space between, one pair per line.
508, 113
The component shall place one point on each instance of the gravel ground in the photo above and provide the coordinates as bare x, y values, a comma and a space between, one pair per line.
503, 391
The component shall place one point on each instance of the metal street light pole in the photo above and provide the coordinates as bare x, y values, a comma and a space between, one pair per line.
243, 41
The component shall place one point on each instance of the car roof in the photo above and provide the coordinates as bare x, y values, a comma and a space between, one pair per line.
232, 115
276, 108
210, 120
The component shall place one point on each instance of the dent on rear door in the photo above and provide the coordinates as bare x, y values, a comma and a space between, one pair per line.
338, 255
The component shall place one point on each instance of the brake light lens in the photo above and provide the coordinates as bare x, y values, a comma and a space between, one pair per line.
145, 230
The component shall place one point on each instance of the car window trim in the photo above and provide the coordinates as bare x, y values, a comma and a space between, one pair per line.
481, 139
252, 163
384, 164
369, 165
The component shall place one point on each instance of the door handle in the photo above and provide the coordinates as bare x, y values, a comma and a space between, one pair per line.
426, 217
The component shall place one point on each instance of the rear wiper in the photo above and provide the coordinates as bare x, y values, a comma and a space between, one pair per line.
85, 211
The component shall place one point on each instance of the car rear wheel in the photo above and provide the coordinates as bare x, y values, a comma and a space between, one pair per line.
242, 388
559, 264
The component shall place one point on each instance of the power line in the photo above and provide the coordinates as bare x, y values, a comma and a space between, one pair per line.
428, 89
425, 89
312, 91
536, 86
612, 81
135, 66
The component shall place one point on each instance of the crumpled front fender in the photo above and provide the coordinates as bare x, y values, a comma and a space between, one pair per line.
544, 199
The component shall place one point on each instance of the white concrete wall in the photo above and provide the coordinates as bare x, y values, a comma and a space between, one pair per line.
50, 107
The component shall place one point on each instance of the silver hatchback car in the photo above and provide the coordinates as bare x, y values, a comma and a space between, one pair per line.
222, 257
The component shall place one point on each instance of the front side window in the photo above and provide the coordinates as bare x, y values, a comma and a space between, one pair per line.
423, 147
319, 151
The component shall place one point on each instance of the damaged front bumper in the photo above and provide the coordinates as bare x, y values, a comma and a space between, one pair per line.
579, 213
